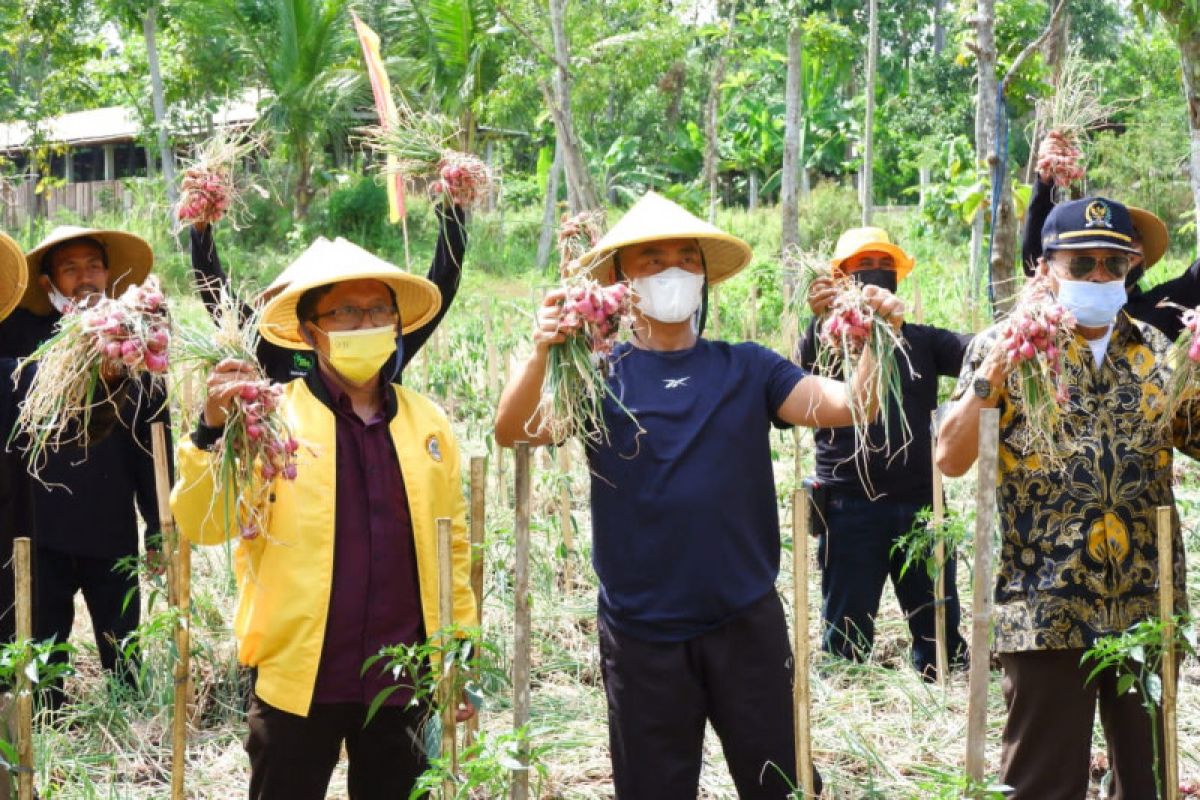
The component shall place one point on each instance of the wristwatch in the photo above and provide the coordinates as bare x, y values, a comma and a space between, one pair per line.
983, 389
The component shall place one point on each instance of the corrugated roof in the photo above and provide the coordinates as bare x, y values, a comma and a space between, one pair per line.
115, 124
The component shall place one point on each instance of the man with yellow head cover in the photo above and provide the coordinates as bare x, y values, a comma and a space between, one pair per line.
348, 562
863, 512
684, 521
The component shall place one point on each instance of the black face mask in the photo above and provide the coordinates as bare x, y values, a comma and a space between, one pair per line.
883, 278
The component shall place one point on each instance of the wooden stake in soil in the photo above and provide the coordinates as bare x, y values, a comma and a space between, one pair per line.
179, 578
21, 576
564, 517
521, 617
478, 527
449, 669
801, 694
981, 597
939, 565
1166, 606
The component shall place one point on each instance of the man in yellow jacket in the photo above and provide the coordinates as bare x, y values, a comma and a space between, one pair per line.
347, 562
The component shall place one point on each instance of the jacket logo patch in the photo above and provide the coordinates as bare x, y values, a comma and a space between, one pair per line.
434, 447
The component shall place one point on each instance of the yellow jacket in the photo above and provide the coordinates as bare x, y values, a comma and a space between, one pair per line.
285, 574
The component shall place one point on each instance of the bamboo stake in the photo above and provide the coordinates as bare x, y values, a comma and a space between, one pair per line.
521, 618
1166, 605
449, 670
22, 577
564, 517
753, 334
981, 600
478, 527
801, 694
939, 564
179, 584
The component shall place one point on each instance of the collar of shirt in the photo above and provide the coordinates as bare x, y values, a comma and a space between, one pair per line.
334, 397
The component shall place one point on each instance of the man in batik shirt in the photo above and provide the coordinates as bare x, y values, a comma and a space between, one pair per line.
1078, 558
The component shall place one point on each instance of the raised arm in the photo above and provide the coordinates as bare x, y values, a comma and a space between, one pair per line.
207, 272
958, 436
445, 272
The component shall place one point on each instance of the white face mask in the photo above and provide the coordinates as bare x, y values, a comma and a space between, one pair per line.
62, 304
672, 295
1094, 305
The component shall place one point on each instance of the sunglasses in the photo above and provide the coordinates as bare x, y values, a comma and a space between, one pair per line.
1080, 267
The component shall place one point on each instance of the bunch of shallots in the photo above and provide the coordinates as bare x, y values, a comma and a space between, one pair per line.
1185, 361
850, 328
577, 235
1034, 339
209, 189
93, 351
205, 195
576, 381
1059, 157
418, 145
256, 437
256, 445
463, 178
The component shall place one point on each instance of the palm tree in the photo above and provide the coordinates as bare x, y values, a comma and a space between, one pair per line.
303, 52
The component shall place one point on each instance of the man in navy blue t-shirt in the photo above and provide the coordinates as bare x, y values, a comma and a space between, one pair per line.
684, 515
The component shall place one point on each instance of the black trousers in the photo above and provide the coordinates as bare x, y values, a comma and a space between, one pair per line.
293, 757
856, 560
1048, 732
112, 598
660, 694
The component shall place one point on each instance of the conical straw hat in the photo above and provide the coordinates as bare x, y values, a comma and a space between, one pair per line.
338, 261
1153, 233
14, 275
130, 260
655, 218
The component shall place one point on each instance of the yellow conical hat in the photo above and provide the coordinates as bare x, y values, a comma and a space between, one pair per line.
655, 218
327, 262
14, 276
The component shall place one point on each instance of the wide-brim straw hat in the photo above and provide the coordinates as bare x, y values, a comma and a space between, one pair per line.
326, 262
655, 218
856, 241
130, 260
1153, 233
14, 275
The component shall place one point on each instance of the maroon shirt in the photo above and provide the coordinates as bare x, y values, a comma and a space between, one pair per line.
375, 599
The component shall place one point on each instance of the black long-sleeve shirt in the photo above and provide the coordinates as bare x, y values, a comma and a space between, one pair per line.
907, 475
282, 364
1183, 289
86, 500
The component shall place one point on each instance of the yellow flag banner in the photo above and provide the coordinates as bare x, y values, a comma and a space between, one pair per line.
385, 106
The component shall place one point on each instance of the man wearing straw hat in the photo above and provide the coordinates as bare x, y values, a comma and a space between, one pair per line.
348, 562
685, 526
281, 364
83, 512
865, 515
1078, 559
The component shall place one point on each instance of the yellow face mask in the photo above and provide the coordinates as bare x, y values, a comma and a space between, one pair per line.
358, 355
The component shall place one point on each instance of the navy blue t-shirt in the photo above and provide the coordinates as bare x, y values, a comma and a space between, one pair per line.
684, 516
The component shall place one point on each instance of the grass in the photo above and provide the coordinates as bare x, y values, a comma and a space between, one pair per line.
880, 732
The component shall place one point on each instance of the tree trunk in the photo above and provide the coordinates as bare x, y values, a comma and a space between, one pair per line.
939, 27
149, 26
985, 125
712, 109
549, 210
868, 177
581, 192
789, 209
752, 199
1189, 50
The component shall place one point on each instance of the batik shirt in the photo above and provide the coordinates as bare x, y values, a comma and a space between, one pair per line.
1078, 556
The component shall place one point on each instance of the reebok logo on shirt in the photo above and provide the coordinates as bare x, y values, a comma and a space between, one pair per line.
675, 383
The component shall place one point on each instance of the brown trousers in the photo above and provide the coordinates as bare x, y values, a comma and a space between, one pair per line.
1048, 733
293, 758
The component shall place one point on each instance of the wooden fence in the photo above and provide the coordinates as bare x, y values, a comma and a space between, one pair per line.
19, 202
